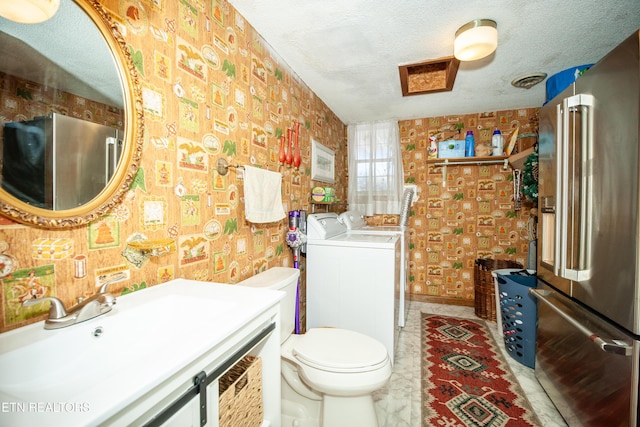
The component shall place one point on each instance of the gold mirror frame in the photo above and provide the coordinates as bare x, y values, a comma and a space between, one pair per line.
119, 184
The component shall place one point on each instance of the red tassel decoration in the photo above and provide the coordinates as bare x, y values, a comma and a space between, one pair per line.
282, 155
289, 149
296, 151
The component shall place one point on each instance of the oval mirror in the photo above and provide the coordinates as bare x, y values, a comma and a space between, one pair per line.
71, 117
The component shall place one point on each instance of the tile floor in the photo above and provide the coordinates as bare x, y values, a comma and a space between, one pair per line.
398, 403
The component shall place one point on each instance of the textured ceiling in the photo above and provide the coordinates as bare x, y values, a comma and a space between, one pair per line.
348, 52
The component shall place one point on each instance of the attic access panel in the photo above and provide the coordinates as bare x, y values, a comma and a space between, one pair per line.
436, 75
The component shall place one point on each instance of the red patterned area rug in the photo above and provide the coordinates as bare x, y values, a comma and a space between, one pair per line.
465, 379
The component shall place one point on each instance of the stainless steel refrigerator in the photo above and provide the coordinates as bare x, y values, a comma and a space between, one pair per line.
587, 352
58, 162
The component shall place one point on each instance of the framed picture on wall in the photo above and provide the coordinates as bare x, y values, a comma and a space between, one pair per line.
323, 163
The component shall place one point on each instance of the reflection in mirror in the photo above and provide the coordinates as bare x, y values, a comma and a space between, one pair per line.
71, 126
57, 161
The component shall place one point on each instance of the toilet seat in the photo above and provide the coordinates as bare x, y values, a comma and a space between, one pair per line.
340, 350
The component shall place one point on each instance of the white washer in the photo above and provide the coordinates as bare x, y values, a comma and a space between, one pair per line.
354, 221
353, 280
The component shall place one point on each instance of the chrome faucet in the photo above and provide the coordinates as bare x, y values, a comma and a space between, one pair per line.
59, 317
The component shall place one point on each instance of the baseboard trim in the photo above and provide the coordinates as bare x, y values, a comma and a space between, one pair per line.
442, 300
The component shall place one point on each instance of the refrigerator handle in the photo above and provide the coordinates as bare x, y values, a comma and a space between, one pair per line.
584, 104
118, 153
608, 345
111, 157
562, 188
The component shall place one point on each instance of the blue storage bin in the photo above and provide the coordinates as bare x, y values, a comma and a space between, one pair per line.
560, 81
519, 314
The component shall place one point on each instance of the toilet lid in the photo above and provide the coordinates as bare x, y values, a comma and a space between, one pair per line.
340, 350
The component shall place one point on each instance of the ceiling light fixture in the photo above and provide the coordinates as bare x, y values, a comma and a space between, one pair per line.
28, 11
475, 40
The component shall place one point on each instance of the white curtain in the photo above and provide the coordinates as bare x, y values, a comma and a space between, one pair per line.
376, 176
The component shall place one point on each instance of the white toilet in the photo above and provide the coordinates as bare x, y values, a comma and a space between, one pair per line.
329, 374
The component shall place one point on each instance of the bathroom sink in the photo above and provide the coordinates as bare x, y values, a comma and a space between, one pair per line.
108, 361
105, 345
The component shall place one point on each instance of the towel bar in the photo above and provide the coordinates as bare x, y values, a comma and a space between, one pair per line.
223, 167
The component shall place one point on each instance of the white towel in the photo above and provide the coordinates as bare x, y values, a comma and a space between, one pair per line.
262, 195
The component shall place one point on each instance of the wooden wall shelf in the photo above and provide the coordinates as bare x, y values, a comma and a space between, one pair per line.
475, 159
517, 160
457, 161
327, 205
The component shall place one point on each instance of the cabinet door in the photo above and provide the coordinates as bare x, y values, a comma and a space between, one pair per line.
187, 416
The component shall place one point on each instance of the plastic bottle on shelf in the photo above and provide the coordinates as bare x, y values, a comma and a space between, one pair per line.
469, 144
433, 148
497, 143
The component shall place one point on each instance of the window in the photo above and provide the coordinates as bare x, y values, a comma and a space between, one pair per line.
375, 168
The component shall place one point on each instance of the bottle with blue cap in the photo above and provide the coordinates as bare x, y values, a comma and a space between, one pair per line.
469, 145
497, 143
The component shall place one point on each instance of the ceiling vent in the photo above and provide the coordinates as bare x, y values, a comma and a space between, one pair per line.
528, 81
436, 75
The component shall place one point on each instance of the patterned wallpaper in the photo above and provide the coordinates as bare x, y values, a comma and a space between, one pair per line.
467, 213
213, 88
22, 99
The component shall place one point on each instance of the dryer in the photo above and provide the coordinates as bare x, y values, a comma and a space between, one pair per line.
353, 280
354, 221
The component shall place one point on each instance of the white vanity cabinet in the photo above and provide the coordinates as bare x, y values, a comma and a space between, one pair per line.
162, 406
188, 415
136, 365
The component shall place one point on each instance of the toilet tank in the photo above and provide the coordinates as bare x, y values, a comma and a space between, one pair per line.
280, 279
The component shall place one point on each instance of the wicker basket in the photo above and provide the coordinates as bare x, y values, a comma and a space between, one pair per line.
485, 293
240, 394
